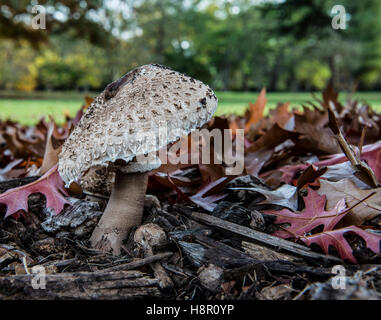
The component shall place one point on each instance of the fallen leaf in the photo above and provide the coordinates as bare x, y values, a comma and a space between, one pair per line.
370, 153
281, 115
347, 190
273, 137
336, 239
256, 110
5, 173
285, 195
50, 185
201, 197
312, 216
342, 171
314, 138
363, 171
51, 154
254, 161
309, 175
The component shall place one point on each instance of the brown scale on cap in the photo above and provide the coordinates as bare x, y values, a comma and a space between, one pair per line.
122, 116
123, 123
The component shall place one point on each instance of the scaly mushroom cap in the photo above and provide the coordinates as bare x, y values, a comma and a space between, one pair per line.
142, 112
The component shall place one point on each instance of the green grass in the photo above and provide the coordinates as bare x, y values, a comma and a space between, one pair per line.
235, 102
29, 108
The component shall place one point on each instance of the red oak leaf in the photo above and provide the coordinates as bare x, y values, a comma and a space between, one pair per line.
336, 239
311, 217
50, 185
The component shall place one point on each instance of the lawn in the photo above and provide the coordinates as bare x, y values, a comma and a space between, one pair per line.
236, 102
28, 108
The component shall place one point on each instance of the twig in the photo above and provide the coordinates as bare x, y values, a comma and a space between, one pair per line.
261, 237
139, 263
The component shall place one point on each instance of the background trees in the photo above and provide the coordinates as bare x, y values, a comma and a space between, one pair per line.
231, 44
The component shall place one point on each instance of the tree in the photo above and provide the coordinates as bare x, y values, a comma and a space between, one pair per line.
78, 18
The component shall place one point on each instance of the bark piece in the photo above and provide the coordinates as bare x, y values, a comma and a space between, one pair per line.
73, 216
211, 277
263, 253
80, 285
263, 238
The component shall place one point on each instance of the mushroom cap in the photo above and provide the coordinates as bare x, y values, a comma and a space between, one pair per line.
142, 112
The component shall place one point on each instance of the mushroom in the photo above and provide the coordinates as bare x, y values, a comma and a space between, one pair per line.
124, 124
97, 181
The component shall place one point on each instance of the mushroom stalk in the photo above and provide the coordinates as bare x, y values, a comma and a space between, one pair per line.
124, 210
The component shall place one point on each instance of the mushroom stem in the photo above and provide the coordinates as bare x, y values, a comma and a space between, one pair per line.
124, 210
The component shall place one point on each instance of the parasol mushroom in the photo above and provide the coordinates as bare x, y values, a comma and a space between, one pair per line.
120, 127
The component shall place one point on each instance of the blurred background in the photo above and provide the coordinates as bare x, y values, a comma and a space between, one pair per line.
236, 46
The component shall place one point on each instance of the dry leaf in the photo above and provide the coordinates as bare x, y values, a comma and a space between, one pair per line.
347, 190
312, 216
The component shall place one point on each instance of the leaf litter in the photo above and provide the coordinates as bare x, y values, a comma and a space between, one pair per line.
309, 192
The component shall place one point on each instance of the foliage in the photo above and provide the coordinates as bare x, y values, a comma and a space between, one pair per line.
77, 70
324, 203
240, 45
313, 74
336, 239
18, 70
50, 185
312, 216
61, 16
